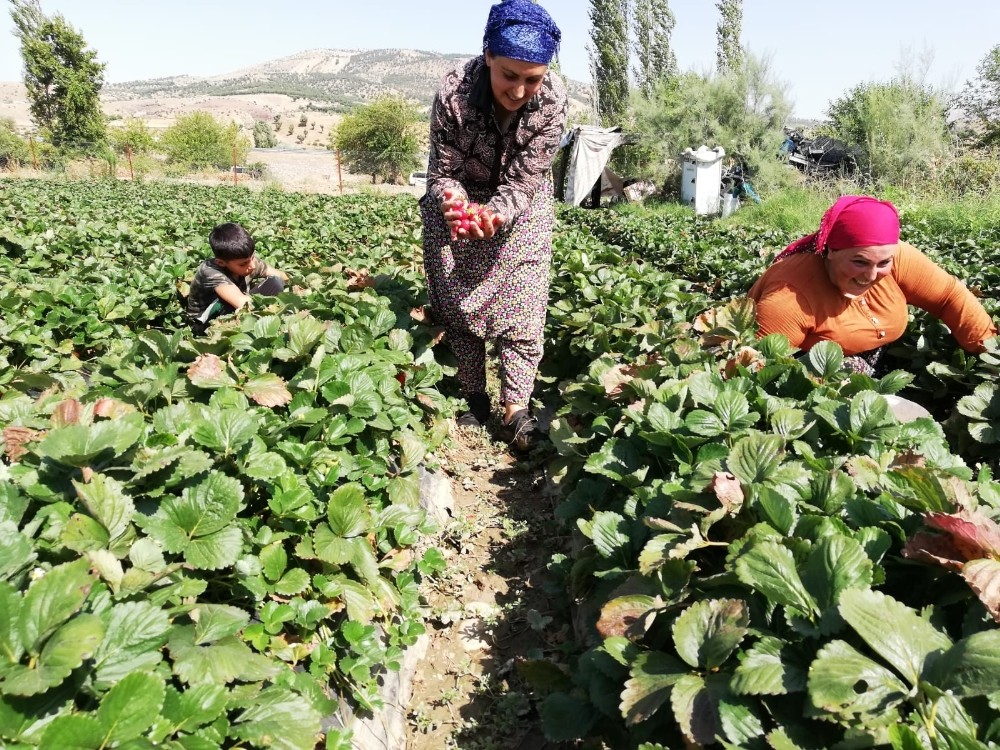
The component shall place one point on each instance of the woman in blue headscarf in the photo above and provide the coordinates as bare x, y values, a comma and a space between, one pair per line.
496, 125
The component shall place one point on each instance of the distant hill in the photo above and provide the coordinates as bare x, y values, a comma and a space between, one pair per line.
334, 80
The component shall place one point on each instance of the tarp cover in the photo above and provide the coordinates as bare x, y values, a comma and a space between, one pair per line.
592, 147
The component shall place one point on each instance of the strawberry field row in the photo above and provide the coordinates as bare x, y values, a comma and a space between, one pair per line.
222, 528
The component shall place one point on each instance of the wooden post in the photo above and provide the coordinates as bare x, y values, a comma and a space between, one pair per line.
234, 164
34, 156
340, 176
128, 155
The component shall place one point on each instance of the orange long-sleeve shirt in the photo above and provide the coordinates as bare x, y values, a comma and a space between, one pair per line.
796, 297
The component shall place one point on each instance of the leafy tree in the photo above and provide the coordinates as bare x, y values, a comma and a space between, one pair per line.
13, 149
900, 127
729, 52
655, 60
262, 135
743, 111
199, 140
609, 58
62, 77
380, 139
134, 135
980, 100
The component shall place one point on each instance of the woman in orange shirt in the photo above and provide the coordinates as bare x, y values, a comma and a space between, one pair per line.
851, 281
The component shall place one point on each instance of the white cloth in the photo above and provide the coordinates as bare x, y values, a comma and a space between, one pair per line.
591, 151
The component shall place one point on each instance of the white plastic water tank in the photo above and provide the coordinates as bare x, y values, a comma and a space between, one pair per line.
701, 179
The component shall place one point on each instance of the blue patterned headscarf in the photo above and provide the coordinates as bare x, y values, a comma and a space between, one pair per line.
521, 30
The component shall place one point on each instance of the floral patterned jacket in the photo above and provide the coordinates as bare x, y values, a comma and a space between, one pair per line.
470, 155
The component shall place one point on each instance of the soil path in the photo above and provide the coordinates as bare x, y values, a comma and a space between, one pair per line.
495, 604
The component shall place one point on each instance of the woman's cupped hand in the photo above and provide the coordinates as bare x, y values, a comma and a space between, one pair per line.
469, 220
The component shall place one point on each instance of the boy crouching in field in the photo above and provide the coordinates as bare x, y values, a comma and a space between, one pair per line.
223, 284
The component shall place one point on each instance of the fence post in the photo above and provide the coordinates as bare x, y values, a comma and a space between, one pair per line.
128, 155
234, 164
34, 156
340, 176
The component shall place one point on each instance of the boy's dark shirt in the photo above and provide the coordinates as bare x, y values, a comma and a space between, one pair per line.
209, 276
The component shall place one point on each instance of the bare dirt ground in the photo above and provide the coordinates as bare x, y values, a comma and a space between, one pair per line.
495, 605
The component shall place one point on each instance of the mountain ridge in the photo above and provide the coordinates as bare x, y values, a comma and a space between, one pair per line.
342, 78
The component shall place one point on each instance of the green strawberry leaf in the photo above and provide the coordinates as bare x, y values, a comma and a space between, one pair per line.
130, 707
769, 567
708, 632
908, 642
280, 719
845, 682
651, 678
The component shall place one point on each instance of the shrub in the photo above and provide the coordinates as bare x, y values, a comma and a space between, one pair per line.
199, 140
743, 111
900, 127
134, 135
14, 150
380, 139
262, 135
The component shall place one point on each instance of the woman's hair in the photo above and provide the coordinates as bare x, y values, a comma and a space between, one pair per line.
521, 30
230, 241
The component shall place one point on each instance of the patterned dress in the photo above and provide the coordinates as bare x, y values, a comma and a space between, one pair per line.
497, 288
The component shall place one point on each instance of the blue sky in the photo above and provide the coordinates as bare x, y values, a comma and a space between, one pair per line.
820, 50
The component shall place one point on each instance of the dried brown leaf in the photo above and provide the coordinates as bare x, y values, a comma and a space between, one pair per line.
729, 491
15, 438
983, 577
358, 280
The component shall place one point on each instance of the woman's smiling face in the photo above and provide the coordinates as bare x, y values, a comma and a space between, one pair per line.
855, 269
514, 82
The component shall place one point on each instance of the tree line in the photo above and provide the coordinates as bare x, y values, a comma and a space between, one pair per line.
901, 127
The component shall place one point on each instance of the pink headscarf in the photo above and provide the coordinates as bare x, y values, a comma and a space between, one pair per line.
853, 221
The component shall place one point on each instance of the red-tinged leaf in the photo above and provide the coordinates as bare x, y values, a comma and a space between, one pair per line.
358, 280
66, 413
728, 489
616, 378
111, 408
975, 534
268, 390
207, 370
14, 439
747, 357
627, 617
983, 577
206, 365
935, 549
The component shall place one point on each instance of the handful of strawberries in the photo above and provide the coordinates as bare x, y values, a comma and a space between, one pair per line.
470, 220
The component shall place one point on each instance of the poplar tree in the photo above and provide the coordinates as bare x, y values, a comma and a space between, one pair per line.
655, 59
62, 77
980, 100
609, 58
729, 51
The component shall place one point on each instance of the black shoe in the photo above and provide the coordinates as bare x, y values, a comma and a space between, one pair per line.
478, 413
521, 432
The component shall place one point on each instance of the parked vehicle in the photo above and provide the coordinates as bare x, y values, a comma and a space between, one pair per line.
818, 155
418, 179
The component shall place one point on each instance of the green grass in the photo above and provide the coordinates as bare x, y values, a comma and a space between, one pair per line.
798, 210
